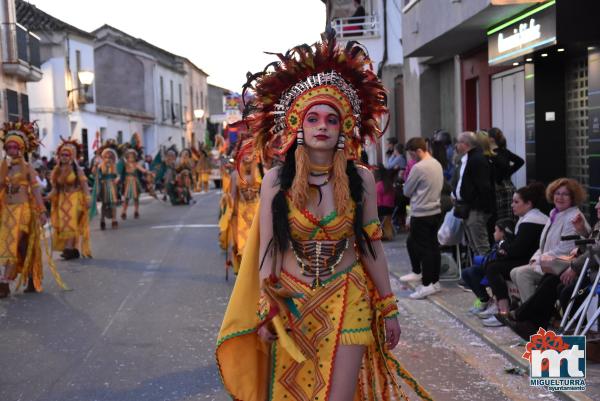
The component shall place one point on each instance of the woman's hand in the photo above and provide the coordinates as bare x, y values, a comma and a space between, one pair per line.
266, 335
568, 276
579, 224
392, 332
43, 218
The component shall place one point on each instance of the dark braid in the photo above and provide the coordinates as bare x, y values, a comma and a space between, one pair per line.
280, 209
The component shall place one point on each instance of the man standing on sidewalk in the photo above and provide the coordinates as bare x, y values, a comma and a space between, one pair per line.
424, 188
474, 195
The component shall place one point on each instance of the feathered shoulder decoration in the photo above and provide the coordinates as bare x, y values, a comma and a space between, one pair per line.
304, 76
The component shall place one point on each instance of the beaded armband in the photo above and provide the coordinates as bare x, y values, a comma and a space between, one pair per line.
373, 230
263, 308
387, 306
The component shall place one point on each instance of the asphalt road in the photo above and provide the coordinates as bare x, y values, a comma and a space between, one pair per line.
142, 319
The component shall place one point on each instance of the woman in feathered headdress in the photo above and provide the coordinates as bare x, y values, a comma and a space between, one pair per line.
244, 189
106, 183
22, 212
314, 263
132, 186
70, 199
202, 171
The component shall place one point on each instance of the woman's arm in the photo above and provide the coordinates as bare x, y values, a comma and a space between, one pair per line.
83, 181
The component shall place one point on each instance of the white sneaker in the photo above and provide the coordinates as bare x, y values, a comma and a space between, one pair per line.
423, 292
492, 322
491, 310
437, 286
410, 277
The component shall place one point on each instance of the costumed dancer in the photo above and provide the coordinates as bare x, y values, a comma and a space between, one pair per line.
314, 263
202, 171
132, 186
22, 213
165, 166
106, 183
245, 191
70, 200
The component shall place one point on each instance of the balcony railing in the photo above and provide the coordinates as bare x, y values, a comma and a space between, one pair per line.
356, 27
21, 52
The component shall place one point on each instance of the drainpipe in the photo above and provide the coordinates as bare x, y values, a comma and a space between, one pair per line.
381, 65
385, 41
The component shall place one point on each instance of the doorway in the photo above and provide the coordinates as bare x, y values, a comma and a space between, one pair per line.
508, 114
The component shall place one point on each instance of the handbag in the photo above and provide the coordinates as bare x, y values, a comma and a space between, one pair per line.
461, 210
451, 232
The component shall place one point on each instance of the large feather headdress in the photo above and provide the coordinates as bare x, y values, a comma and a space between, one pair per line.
323, 73
22, 133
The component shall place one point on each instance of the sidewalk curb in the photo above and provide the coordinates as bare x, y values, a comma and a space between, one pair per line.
436, 300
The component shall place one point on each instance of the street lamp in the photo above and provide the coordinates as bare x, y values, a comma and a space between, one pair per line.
198, 113
85, 78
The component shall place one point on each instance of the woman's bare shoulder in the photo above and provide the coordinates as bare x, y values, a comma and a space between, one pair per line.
270, 182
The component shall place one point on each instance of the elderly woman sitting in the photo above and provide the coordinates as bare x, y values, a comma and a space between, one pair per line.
566, 195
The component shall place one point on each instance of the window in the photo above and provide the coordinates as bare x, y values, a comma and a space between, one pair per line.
24, 107
162, 99
178, 110
191, 97
119, 137
12, 102
201, 100
167, 109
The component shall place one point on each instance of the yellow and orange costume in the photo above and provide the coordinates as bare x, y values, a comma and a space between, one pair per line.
202, 169
70, 205
21, 208
341, 305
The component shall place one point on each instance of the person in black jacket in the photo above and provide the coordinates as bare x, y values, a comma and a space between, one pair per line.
506, 163
518, 252
473, 194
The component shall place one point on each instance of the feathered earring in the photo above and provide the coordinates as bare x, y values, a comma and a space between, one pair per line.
340, 181
300, 188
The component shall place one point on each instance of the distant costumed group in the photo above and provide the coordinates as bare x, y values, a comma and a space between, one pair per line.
116, 178
312, 315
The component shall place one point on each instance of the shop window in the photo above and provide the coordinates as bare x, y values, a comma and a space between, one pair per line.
577, 120
24, 107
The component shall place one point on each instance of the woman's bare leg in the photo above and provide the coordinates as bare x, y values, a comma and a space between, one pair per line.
124, 212
345, 372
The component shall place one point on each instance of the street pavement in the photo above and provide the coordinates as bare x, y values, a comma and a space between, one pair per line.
142, 318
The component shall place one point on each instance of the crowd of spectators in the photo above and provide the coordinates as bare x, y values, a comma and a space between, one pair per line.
520, 253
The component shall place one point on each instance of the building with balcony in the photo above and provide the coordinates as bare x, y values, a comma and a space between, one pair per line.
380, 31
139, 88
63, 101
20, 63
195, 109
531, 68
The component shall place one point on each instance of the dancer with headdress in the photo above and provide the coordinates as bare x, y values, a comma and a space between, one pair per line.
314, 263
130, 179
22, 213
70, 200
202, 171
106, 184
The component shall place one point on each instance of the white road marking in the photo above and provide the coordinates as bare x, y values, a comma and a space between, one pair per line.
178, 227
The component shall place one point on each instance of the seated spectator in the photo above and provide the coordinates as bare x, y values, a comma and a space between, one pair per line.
473, 275
566, 195
526, 203
558, 284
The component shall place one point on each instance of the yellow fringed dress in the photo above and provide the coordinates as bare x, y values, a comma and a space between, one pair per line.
225, 212
69, 213
20, 222
299, 365
244, 209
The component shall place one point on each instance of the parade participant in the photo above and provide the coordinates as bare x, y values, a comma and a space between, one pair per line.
165, 166
186, 160
132, 186
314, 262
106, 183
245, 190
180, 191
70, 199
202, 171
22, 213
